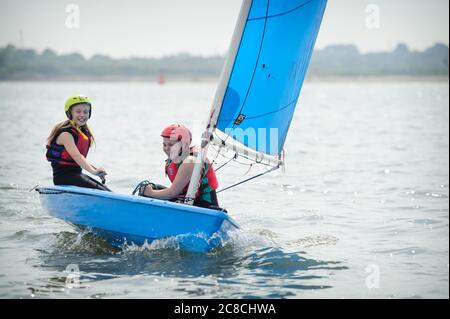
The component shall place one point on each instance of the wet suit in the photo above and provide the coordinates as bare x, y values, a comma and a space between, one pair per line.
65, 170
76, 178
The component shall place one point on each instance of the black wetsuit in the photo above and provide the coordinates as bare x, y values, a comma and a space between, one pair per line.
69, 174
61, 176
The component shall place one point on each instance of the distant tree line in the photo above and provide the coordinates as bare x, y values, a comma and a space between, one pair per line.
345, 60
337, 60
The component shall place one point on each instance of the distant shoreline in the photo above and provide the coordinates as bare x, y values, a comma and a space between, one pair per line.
203, 79
381, 78
334, 63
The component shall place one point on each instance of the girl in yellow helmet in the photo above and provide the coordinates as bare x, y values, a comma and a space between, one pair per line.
68, 145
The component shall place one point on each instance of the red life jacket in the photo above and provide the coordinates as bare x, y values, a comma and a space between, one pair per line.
58, 154
207, 182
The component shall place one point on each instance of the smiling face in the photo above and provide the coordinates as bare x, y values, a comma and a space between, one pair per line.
167, 145
80, 114
174, 150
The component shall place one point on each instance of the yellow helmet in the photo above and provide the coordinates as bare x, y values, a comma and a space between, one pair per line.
75, 100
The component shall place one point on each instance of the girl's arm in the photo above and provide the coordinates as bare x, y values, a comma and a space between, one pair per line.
182, 179
69, 144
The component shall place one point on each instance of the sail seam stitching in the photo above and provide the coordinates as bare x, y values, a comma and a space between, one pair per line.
282, 13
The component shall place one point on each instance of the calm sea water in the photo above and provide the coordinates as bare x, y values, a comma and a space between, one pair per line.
362, 210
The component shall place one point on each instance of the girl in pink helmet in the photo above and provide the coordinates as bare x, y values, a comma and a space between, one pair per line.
180, 162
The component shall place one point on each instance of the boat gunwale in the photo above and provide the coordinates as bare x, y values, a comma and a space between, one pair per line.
135, 199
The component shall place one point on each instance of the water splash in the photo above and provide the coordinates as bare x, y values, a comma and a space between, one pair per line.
312, 241
80, 243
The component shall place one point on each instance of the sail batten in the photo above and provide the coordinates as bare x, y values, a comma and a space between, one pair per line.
274, 15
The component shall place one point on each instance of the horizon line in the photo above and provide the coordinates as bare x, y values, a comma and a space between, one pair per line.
186, 53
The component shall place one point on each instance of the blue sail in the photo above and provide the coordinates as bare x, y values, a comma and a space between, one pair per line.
268, 72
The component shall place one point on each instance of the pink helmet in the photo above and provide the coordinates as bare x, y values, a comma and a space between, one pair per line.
178, 132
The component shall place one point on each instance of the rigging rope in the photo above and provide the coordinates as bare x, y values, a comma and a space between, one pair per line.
248, 179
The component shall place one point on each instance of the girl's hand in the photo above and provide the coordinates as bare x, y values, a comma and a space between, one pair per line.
147, 190
100, 172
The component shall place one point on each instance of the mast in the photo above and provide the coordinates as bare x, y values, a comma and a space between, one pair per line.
218, 100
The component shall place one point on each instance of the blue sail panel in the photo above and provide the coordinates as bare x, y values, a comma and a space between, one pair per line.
259, 10
268, 72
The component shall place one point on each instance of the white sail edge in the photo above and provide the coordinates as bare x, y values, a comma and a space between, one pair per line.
218, 99
229, 63
219, 139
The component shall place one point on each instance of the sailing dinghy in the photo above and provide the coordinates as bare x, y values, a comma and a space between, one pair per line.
250, 115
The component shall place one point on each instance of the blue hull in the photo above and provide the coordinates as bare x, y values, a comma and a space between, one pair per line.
118, 218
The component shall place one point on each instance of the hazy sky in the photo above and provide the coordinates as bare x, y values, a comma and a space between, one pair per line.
121, 28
